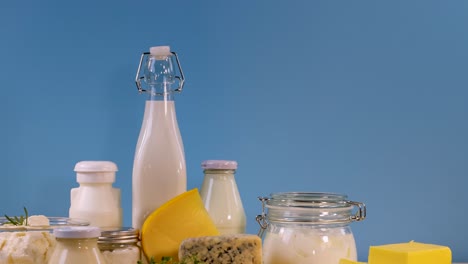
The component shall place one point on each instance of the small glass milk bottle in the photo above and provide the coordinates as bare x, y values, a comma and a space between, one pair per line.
159, 171
77, 245
221, 196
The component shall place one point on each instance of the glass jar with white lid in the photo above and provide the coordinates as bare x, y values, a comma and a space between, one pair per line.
305, 227
77, 245
221, 197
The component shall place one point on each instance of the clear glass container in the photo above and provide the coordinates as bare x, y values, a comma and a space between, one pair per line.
313, 228
120, 246
159, 170
221, 196
31, 243
77, 245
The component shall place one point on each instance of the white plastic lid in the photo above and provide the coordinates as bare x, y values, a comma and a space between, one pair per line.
160, 51
78, 232
95, 171
219, 165
96, 166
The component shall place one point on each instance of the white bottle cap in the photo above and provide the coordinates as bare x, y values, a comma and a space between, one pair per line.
78, 232
95, 171
160, 52
219, 165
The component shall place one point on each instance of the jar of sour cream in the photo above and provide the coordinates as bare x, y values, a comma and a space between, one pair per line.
311, 228
77, 245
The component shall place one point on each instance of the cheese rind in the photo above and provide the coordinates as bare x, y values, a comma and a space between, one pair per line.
410, 253
225, 249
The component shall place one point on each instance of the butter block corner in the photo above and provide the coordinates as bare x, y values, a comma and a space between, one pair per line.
410, 253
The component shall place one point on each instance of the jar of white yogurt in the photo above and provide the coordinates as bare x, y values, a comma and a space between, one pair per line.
120, 246
77, 245
313, 228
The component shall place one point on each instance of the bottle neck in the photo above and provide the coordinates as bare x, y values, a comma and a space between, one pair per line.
221, 172
161, 92
96, 184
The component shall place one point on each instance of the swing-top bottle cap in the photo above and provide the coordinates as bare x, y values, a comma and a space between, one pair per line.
219, 165
160, 51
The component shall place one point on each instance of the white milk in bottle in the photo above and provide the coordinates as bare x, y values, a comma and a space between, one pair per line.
159, 172
221, 196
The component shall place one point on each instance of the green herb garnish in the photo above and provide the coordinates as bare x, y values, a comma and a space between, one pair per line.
170, 260
18, 221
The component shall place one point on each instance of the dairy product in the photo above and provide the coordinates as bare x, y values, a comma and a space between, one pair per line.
32, 247
77, 245
221, 196
38, 220
32, 221
96, 200
312, 246
120, 246
180, 218
127, 255
159, 171
225, 249
410, 253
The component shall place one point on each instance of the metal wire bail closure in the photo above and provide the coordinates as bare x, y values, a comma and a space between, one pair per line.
360, 213
309, 208
261, 219
138, 77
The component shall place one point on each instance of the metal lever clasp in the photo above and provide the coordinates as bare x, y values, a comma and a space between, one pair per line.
138, 78
361, 212
261, 219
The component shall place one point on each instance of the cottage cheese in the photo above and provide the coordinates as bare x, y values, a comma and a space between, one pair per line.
32, 247
291, 246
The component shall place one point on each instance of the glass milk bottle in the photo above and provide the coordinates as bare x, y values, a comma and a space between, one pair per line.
221, 196
96, 200
159, 172
77, 245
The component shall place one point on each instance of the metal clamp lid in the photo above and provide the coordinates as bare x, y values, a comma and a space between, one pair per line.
138, 78
359, 215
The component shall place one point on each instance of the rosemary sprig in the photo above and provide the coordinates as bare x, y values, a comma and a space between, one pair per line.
18, 221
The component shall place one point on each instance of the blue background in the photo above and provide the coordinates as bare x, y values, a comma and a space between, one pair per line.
367, 98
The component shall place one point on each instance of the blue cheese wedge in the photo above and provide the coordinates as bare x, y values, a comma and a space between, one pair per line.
224, 249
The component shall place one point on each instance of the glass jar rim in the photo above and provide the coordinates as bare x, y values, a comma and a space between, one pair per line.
309, 208
311, 200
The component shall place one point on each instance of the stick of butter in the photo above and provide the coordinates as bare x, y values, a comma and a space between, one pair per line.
410, 253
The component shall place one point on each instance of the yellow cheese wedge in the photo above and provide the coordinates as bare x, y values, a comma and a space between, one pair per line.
180, 218
410, 253
347, 261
